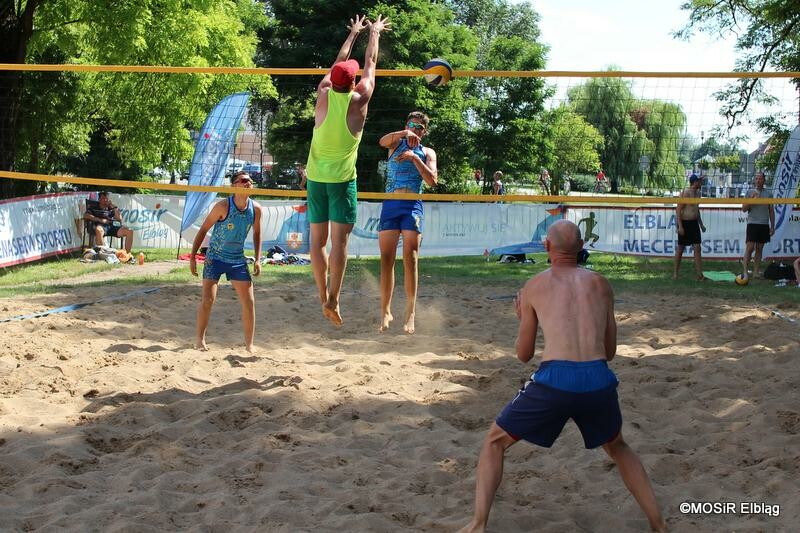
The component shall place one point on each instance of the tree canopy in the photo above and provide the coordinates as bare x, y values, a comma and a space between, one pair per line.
767, 36
60, 121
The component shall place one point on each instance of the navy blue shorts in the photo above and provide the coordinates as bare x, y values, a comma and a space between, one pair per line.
214, 269
586, 393
402, 215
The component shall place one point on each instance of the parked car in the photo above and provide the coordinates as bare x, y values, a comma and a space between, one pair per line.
282, 178
254, 170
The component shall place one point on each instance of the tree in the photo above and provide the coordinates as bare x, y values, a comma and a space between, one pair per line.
509, 111
507, 115
642, 137
575, 146
421, 30
767, 36
607, 104
727, 163
16, 27
143, 118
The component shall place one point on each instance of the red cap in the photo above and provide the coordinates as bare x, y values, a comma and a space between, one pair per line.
343, 73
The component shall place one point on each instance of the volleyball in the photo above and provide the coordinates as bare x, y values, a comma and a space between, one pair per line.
437, 72
741, 280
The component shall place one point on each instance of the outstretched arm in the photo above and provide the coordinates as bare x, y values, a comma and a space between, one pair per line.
356, 25
367, 83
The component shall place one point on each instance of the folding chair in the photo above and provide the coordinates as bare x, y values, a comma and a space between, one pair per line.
88, 230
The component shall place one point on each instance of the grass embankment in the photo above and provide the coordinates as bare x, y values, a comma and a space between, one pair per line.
626, 273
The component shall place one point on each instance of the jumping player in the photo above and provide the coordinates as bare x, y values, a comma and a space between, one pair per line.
339, 117
410, 163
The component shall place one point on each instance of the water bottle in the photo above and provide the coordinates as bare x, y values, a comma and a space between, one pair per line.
141, 258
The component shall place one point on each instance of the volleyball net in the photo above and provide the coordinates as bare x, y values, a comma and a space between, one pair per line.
609, 150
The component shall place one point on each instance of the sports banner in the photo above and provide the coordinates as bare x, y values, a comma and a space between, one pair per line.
214, 145
784, 185
36, 227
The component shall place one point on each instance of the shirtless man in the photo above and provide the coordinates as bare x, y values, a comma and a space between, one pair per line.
339, 117
575, 308
689, 224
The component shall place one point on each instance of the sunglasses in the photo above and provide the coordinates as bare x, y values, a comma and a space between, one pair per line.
415, 126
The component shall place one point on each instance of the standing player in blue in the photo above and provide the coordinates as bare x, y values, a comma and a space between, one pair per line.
410, 163
575, 308
231, 219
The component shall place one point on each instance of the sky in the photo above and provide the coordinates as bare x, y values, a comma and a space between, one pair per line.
631, 34
636, 35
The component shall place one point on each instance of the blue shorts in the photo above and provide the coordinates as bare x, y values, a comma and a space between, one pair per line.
402, 215
586, 392
213, 269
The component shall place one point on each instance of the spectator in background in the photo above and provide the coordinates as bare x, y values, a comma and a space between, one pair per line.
601, 183
760, 226
689, 225
544, 181
497, 183
104, 219
478, 175
301, 174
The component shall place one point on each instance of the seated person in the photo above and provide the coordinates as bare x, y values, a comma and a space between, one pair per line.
104, 219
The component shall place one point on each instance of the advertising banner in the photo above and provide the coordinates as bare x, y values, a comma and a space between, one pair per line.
35, 227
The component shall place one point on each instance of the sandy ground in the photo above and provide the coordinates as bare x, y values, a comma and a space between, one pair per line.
111, 421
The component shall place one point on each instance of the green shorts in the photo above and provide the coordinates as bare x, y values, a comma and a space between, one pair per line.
334, 202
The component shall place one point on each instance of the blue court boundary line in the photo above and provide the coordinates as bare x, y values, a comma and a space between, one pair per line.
75, 307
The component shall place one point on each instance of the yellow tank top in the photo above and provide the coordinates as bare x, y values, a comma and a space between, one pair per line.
332, 158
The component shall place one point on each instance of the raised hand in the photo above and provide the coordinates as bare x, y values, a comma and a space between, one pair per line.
407, 155
412, 138
381, 24
358, 23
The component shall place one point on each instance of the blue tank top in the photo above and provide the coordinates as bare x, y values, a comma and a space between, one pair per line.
403, 174
228, 235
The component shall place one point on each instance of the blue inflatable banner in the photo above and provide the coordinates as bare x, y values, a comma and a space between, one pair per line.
214, 146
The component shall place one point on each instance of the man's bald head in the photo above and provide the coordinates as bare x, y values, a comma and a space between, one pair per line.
564, 236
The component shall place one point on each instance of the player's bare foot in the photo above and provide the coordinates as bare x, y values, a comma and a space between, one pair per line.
201, 345
251, 348
408, 327
472, 528
331, 312
386, 319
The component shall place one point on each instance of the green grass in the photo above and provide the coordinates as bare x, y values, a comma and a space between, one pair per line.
626, 274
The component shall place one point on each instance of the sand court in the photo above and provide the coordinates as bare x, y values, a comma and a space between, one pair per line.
110, 420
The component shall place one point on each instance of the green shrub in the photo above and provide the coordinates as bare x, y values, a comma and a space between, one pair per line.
582, 183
